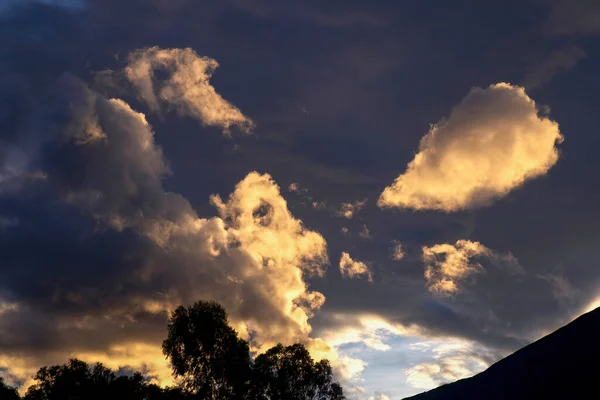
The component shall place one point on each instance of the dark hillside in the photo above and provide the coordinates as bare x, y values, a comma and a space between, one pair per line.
563, 365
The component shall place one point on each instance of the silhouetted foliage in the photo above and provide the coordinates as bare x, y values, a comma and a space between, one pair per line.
289, 373
206, 353
76, 380
211, 362
6, 392
215, 364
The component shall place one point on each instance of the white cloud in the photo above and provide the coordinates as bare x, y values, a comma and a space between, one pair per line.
187, 88
379, 396
453, 359
368, 330
354, 269
447, 265
494, 141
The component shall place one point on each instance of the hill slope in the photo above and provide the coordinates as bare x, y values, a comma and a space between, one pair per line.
563, 365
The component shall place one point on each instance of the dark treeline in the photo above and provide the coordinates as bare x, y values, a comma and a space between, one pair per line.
209, 362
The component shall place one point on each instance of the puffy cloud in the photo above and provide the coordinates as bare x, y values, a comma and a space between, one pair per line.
354, 269
349, 210
365, 233
453, 359
397, 251
318, 205
253, 258
494, 141
369, 330
7, 307
379, 396
447, 265
187, 87
345, 330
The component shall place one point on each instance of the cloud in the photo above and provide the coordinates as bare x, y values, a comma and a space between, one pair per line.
349, 210
557, 62
494, 141
453, 359
86, 286
354, 269
253, 258
6, 5
562, 289
318, 205
370, 330
379, 396
349, 332
573, 17
365, 233
447, 265
187, 87
397, 251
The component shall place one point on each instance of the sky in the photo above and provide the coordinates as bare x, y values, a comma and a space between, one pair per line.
410, 189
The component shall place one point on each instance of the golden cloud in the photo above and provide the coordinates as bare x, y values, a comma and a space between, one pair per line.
398, 252
187, 88
494, 141
253, 258
443, 275
354, 269
349, 210
447, 265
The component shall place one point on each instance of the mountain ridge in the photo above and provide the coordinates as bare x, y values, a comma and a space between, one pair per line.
562, 365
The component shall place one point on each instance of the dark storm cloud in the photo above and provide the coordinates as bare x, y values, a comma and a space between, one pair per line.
102, 177
341, 99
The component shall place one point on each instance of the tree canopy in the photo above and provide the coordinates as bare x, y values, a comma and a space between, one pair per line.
76, 380
6, 392
289, 373
215, 363
206, 353
209, 361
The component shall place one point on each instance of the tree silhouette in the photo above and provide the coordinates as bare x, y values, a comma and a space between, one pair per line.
211, 362
206, 353
6, 392
289, 373
76, 380
215, 364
